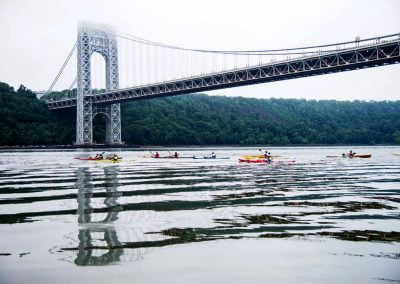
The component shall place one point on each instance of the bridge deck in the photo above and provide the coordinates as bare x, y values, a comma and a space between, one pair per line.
379, 54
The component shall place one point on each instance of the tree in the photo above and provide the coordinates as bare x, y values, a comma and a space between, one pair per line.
396, 136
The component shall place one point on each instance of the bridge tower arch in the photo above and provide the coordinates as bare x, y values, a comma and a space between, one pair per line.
96, 39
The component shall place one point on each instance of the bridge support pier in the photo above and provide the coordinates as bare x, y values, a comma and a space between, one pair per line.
98, 39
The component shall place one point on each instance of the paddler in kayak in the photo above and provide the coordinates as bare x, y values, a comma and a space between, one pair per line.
268, 157
351, 154
176, 155
114, 157
99, 156
156, 155
212, 156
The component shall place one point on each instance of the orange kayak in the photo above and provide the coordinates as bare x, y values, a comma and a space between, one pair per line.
363, 156
355, 156
359, 156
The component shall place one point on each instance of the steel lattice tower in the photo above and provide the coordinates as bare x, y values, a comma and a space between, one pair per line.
94, 39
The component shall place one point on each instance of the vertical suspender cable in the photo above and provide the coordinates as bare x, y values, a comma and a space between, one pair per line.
140, 64
133, 63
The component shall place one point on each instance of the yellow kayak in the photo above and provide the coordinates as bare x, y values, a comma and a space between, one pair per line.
250, 157
106, 161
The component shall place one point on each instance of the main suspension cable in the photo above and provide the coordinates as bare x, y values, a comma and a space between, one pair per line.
62, 68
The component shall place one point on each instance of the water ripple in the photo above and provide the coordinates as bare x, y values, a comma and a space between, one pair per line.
142, 204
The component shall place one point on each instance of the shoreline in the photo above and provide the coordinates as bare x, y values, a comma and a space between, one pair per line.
102, 146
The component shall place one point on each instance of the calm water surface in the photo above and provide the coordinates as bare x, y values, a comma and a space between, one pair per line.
318, 220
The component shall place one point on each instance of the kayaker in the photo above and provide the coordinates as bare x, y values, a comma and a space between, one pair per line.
176, 155
212, 155
115, 157
156, 155
99, 156
268, 157
351, 154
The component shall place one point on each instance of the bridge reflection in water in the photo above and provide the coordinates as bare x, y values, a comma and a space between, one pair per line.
91, 232
103, 238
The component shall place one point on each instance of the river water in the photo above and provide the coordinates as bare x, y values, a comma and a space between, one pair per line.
316, 220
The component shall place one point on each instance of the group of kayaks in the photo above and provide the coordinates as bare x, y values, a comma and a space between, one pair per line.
115, 159
258, 159
189, 157
176, 155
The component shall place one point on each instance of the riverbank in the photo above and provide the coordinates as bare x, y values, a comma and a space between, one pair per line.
129, 146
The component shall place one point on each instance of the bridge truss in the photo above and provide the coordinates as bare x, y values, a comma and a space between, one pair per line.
374, 55
307, 61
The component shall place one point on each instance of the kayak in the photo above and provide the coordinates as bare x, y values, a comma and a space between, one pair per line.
362, 156
359, 156
87, 159
107, 161
257, 156
252, 160
260, 161
355, 156
99, 160
211, 158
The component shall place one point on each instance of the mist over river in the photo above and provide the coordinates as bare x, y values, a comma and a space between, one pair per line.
305, 218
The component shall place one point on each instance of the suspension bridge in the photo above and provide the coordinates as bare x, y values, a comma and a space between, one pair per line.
133, 68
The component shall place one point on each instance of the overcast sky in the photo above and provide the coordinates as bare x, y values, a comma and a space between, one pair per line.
36, 36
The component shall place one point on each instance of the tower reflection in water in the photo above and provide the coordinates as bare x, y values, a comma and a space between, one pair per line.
93, 233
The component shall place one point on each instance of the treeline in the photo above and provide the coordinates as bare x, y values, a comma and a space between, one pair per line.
207, 120
25, 120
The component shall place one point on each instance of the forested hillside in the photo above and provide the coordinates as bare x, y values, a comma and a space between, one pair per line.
207, 120
24, 120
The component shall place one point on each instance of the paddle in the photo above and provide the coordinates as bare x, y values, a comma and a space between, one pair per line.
152, 155
173, 155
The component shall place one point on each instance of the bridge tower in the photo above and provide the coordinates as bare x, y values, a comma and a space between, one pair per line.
96, 39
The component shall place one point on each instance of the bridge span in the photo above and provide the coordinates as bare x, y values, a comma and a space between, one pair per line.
333, 58
379, 54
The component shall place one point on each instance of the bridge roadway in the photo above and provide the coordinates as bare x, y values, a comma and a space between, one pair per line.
373, 55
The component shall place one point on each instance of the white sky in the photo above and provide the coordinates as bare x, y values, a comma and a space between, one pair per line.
36, 36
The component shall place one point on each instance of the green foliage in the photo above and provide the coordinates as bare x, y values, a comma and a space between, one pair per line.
24, 120
205, 120
396, 136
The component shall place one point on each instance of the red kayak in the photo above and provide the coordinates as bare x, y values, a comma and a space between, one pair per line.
358, 156
87, 159
252, 161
